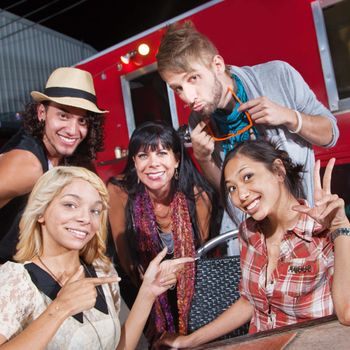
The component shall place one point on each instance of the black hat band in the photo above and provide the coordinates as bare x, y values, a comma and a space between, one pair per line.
69, 92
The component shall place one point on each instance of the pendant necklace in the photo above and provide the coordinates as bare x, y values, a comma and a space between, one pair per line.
109, 312
50, 272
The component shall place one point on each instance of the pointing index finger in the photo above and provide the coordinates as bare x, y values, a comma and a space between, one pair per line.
180, 261
97, 281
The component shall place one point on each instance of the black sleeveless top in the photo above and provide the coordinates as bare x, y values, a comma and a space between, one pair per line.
11, 213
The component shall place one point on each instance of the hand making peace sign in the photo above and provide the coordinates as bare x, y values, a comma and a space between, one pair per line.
329, 208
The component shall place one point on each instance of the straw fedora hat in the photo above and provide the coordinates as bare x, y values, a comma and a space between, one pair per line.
71, 87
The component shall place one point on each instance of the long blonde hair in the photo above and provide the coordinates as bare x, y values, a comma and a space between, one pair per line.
45, 190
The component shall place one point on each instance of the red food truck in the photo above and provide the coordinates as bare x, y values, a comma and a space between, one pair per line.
313, 36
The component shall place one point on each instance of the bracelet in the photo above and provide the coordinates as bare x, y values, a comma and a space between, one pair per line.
343, 231
300, 123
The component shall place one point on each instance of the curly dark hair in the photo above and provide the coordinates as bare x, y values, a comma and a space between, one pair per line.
87, 149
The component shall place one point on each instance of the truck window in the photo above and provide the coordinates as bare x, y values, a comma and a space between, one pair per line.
332, 23
147, 97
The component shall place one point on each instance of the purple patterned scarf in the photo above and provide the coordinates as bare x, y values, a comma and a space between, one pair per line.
149, 246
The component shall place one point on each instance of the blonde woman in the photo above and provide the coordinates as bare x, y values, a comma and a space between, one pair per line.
63, 292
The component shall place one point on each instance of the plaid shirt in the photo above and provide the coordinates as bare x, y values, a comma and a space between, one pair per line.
299, 287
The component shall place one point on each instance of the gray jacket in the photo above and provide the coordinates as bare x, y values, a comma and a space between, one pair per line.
282, 84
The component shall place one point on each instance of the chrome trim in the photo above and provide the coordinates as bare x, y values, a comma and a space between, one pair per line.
216, 241
129, 112
326, 59
172, 106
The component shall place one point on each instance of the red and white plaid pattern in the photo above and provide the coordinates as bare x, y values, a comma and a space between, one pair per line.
299, 287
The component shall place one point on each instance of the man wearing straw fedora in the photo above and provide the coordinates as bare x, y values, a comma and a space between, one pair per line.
63, 126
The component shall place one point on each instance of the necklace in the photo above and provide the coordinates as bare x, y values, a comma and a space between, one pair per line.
164, 229
49, 271
163, 221
60, 284
109, 312
164, 226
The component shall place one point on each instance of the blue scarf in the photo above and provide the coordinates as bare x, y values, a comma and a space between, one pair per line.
228, 124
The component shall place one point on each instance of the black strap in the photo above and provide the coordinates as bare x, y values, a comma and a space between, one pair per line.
50, 287
69, 92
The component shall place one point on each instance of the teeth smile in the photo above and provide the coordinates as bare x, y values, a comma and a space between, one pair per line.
78, 233
67, 139
156, 175
253, 204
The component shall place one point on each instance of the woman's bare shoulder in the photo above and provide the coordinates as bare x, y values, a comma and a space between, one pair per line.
117, 192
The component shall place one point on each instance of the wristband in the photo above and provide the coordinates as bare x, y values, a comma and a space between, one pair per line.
343, 231
300, 123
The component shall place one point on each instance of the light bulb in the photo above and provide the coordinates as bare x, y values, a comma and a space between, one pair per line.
143, 49
125, 58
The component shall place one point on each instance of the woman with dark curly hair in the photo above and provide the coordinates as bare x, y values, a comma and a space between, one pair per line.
63, 126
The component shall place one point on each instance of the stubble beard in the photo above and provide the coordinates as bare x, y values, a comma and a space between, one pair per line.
216, 92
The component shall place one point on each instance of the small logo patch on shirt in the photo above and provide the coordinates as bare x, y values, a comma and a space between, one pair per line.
299, 269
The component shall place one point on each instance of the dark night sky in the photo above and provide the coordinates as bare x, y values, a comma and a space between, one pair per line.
100, 23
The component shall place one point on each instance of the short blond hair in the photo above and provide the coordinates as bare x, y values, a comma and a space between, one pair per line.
45, 190
181, 45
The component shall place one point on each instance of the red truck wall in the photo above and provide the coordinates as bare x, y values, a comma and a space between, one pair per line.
246, 33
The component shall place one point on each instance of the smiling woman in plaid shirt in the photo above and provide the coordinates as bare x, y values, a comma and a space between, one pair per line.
294, 259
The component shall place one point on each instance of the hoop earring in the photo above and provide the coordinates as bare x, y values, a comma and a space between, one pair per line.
176, 174
138, 180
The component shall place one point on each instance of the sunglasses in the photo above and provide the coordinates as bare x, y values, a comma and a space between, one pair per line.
238, 132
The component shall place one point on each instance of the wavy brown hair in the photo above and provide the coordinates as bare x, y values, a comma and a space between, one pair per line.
181, 45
